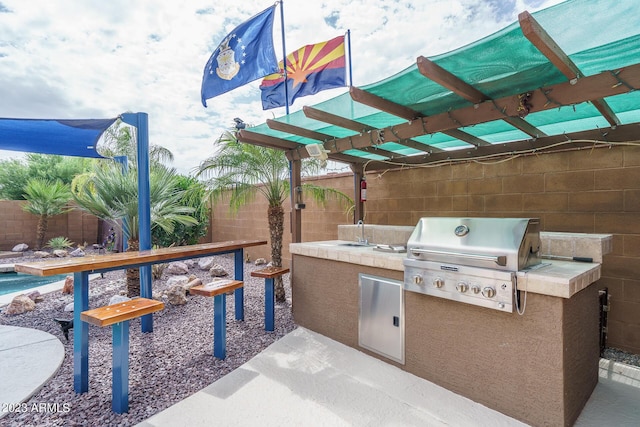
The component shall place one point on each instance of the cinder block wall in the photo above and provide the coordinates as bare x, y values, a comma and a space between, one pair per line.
586, 191
18, 226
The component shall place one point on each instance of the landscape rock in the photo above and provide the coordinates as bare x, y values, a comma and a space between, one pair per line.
260, 261
193, 282
177, 280
77, 253
205, 263
176, 295
67, 288
177, 267
42, 254
35, 296
20, 247
118, 298
60, 253
217, 271
20, 304
68, 307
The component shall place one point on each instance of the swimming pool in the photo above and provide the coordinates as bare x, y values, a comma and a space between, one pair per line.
11, 282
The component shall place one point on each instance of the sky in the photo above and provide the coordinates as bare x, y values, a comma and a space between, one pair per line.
72, 59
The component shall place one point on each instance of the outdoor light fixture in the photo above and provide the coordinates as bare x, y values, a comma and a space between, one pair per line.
317, 151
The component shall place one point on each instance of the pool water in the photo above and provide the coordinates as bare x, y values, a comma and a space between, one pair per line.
15, 282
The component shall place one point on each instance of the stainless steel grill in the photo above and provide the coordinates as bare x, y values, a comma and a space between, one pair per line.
471, 260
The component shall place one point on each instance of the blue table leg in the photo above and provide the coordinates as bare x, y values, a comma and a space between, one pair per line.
238, 269
146, 292
220, 326
269, 304
80, 332
120, 367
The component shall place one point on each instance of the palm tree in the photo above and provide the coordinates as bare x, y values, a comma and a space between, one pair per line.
110, 194
46, 199
242, 170
120, 140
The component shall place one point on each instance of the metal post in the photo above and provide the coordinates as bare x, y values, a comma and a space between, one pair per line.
80, 333
269, 304
220, 326
141, 122
238, 268
120, 367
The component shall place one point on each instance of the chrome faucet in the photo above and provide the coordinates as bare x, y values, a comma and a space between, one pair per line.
362, 239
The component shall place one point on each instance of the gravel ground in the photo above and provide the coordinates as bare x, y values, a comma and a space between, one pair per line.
165, 366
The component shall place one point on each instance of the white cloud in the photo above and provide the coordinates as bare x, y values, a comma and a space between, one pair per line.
71, 59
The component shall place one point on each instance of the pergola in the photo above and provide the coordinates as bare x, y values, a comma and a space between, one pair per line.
562, 78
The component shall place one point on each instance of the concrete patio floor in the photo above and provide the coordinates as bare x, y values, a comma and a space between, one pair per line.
308, 379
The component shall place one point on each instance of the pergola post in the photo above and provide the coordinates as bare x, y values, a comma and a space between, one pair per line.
296, 208
358, 174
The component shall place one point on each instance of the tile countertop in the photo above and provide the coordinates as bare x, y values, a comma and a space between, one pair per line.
555, 278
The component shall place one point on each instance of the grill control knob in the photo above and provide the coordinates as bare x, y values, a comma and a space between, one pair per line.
438, 282
417, 279
462, 287
475, 289
488, 292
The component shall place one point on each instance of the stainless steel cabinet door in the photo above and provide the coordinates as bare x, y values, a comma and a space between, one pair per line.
381, 322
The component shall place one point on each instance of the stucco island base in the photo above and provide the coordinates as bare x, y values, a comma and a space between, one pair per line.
539, 367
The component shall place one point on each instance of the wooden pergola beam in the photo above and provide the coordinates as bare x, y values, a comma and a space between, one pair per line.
323, 116
548, 144
297, 130
539, 37
293, 150
444, 78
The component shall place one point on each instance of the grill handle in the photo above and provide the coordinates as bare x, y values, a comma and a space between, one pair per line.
498, 259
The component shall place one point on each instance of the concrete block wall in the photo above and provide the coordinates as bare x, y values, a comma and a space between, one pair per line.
18, 226
586, 191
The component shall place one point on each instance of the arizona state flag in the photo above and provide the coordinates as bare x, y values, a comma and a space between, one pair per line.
310, 69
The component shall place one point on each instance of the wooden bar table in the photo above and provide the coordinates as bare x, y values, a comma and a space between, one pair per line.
81, 267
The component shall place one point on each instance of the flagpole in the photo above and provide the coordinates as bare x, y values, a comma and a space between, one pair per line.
284, 60
349, 54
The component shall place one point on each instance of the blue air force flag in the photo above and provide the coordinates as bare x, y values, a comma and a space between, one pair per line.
246, 54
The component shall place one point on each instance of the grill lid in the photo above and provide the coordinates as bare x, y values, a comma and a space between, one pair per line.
510, 244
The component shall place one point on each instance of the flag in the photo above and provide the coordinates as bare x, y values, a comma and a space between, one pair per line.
310, 69
245, 54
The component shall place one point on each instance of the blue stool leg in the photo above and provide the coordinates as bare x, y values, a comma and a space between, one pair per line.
220, 326
238, 271
269, 304
80, 333
120, 374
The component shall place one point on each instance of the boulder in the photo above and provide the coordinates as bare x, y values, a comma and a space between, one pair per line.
177, 280
67, 288
118, 298
192, 283
20, 247
60, 253
205, 264
260, 261
20, 304
176, 295
177, 267
190, 262
217, 271
77, 253
35, 296
41, 254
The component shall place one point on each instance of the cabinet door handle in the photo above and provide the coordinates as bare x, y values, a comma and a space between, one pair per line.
396, 321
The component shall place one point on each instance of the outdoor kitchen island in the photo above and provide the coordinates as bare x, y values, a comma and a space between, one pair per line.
539, 367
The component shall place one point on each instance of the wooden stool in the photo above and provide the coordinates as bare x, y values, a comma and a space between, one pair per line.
218, 290
118, 316
269, 274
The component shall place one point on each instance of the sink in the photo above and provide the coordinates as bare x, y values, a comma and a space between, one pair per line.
355, 244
